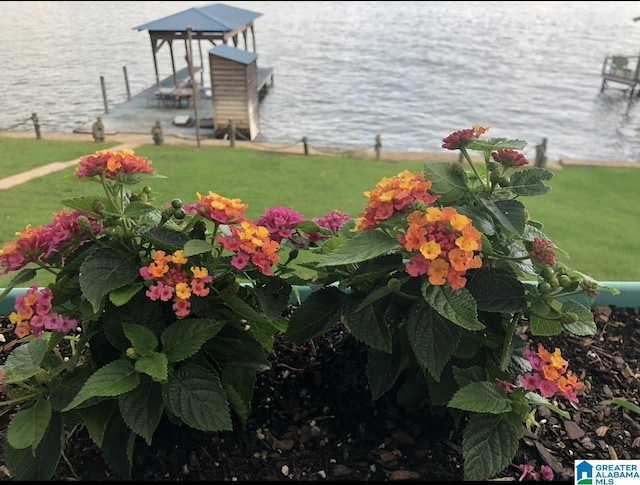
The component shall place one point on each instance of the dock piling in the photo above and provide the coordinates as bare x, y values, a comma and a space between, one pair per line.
104, 95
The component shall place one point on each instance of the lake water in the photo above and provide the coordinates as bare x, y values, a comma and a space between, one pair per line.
412, 72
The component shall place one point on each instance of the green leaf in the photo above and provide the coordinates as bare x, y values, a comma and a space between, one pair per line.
39, 464
86, 204
366, 324
24, 361
467, 375
238, 383
142, 408
510, 213
117, 449
28, 426
618, 401
530, 181
457, 306
448, 180
481, 397
432, 338
383, 369
544, 327
492, 144
318, 312
196, 396
184, 338
539, 400
137, 208
585, 325
363, 246
197, 246
96, 418
105, 270
113, 379
168, 240
496, 291
121, 296
142, 339
133, 178
154, 365
489, 444
259, 325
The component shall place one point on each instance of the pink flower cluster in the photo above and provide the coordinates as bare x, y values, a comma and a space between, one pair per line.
545, 473
280, 222
251, 243
543, 251
510, 158
172, 279
42, 243
332, 220
34, 314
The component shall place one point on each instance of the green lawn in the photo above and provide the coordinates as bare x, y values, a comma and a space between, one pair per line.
591, 213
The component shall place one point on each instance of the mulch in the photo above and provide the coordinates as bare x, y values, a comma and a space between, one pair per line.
313, 420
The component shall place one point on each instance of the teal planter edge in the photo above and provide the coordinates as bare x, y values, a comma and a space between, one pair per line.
629, 296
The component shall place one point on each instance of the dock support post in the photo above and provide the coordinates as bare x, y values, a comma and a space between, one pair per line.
104, 95
378, 146
306, 145
541, 154
232, 133
126, 82
193, 83
36, 125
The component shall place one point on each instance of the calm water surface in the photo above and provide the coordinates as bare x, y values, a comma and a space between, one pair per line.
412, 72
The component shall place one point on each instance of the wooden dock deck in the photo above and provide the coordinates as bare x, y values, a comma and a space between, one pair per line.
138, 114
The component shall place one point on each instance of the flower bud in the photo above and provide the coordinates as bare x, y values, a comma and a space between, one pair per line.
131, 353
84, 224
394, 285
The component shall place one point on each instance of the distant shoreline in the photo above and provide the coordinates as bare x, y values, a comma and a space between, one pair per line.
135, 140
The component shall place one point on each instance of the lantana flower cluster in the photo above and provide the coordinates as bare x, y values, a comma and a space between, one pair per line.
392, 195
549, 374
34, 314
109, 164
172, 279
48, 241
251, 243
447, 245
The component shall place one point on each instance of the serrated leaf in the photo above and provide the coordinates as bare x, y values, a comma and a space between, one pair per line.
154, 365
39, 464
432, 338
133, 178
481, 397
585, 325
496, 291
137, 208
530, 181
457, 306
142, 339
24, 361
95, 419
184, 338
166, 239
103, 271
510, 213
489, 444
383, 369
86, 204
197, 246
448, 180
363, 246
121, 296
113, 379
117, 449
196, 396
238, 383
544, 327
142, 408
539, 400
319, 312
366, 324
28, 426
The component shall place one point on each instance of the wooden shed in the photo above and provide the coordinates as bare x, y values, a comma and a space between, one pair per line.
235, 90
